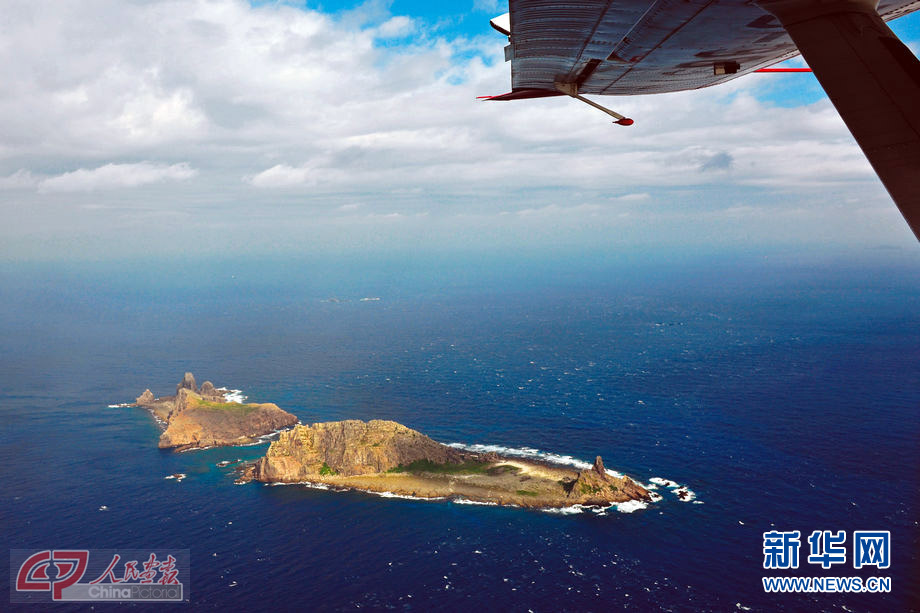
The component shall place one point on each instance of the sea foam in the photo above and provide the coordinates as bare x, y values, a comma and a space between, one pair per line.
575, 509
236, 396
630, 506
682, 492
403, 496
476, 502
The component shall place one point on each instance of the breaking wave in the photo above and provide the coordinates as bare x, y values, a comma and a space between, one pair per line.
572, 510
265, 438
476, 502
630, 506
309, 484
395, 495
236, 396
682, 492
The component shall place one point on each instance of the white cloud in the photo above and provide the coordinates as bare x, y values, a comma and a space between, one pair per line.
375, 108
555, 210
149, 115
21, 179
490, 6
282, 175
113, 176
636, 197
395, 27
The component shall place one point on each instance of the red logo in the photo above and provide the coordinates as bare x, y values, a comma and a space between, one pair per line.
33, 573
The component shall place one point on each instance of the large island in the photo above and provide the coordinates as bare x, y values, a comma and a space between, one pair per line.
204, 417
375, 456
384, 456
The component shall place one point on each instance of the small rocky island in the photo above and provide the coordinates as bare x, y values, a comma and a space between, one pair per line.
384, 456
203, 417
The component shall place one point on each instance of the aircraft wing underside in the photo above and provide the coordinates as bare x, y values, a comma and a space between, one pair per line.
623, 47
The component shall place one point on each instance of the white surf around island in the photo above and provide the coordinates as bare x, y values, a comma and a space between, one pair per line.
575, 509
403, 496
309, 484
236, 396
482, 503
265, 438
681, 492
630, 506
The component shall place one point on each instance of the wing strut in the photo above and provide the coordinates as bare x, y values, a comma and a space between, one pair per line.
872, 79
571, 89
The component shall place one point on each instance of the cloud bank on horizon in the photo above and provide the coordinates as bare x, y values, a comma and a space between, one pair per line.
285, 127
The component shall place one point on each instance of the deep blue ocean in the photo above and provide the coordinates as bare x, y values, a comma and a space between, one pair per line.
782, 390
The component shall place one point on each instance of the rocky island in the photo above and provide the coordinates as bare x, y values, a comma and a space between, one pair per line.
203, 417
384, 456
374, 456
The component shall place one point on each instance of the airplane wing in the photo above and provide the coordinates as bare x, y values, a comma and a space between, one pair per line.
625, 47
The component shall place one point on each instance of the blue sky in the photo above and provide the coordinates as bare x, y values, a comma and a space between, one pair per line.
177, 126
460, 19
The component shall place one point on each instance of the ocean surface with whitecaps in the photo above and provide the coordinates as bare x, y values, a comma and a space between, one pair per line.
752, 393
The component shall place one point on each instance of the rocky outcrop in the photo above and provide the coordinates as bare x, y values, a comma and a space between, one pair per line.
204, 418
208, 391
348, 448
596, 487
188, 382
196, 422
599, 466
160, 407
184, 398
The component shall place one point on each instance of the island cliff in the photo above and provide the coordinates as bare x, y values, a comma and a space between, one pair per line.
384, 456
202, 417
349, 448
